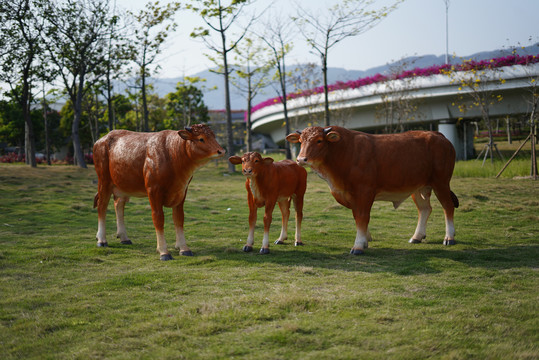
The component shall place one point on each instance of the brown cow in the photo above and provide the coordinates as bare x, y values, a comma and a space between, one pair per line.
362, 168
269, 182
157, 165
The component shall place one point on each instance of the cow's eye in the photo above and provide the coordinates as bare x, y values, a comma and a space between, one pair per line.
201, 140
256, 161
319, 141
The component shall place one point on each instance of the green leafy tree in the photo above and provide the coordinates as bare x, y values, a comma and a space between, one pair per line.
153, 25
186, 105
77, 38
21, 58
324, 30
220, 18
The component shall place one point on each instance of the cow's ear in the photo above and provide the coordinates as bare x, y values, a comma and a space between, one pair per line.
333, 136
293, 138
267, 161
236, 160
185, 134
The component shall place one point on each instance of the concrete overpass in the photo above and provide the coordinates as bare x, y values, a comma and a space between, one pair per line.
435, 97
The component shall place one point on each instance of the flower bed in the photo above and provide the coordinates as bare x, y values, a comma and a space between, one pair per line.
417, 72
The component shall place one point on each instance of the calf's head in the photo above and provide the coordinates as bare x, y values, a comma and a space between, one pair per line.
201, 144
314, 144
252, 163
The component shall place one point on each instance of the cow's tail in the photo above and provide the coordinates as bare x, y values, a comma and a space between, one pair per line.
96, 198
455, 199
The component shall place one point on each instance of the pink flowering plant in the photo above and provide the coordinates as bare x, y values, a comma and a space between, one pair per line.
444, 69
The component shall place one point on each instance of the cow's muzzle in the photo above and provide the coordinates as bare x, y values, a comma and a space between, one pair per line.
302, 161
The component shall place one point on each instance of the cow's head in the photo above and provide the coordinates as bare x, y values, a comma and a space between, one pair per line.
314, 144
252, 163
201, 143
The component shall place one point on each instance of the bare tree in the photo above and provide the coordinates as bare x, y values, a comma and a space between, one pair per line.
304, 79
324, 30
251, 78
278, 36
533, 102
397, 104
477, 92
220, 19
148, 42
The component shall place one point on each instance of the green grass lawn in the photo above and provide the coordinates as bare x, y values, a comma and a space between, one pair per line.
61, 297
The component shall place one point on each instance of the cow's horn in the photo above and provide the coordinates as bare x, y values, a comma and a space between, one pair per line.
327, 130
298, 131
188, 128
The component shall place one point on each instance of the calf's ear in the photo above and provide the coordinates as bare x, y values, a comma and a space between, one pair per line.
333, 136
234, 160
293, 138
185, 134
267, 160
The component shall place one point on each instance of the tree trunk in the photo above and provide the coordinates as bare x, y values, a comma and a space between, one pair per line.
229, 134
326, 91
144, 102
285, 109
78, 155
29, 141
109, 101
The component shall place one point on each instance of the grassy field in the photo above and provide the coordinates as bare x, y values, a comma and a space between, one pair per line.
61, 297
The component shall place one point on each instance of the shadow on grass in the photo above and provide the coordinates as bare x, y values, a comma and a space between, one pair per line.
413, 261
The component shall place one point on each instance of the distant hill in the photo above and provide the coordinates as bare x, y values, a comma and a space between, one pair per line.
215, 99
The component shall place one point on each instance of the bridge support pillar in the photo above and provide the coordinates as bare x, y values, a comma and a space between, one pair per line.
460, 135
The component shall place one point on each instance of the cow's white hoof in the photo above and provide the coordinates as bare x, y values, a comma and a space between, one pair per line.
166, 257
356, 252
449, 242
186, 253
102, 244
264, 251
247, 248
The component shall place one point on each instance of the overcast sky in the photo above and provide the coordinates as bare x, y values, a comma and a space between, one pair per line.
417, 27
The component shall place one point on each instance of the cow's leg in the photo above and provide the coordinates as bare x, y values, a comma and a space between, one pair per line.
121, 233
104, 192
298, 205
362, 217
158, 218
445, 198
268, 211
178, 217
252, 222
285, 212
422, 200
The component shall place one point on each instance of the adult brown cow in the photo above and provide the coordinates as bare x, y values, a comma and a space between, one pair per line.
361, 168
268, 183
157, 165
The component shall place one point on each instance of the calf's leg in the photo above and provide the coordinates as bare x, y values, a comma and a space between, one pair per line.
268, 211
158, 218
121, 233
362, 217
285, 212
448, 201
102, 199
252, 222
178, 217
422, 200
298, 205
